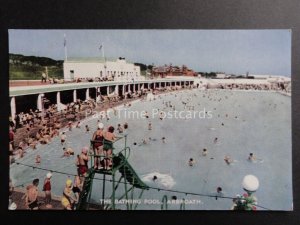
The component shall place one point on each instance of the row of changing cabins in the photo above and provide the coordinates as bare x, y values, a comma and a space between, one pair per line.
23, 101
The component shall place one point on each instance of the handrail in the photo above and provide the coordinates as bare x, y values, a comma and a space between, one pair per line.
125, 155
182, 205
164, 202
126, 150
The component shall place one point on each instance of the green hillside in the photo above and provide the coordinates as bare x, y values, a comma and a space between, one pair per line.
31, 67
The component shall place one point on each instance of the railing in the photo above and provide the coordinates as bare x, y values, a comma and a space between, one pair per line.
164, 203
182, 205
109, 145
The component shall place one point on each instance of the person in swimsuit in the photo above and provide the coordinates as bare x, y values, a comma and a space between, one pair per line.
109, 137
98, 145
63, 138
219, 193
77, 187
149, 126
38, 159
251, 157
161, 115
47, 190
228, 160
21, 152
191, 162
204, 152
31, 196
216, 140
146, 115
68, 152
120, 129
70, 126
87, 129
67, 199
83, 163
154, 178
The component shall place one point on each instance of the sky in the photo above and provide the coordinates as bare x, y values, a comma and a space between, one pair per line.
229, 51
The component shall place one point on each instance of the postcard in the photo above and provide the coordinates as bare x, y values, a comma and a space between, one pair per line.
150, 120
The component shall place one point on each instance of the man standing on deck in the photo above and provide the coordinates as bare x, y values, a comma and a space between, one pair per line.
47, 190
44, 77
83, 163
32, 194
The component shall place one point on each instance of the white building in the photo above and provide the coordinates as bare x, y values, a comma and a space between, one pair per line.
99, 68
220, 75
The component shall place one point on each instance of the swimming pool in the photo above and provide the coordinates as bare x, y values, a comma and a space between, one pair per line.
242, 121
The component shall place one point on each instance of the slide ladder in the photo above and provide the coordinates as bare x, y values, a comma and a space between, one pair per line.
130, 182
86, 191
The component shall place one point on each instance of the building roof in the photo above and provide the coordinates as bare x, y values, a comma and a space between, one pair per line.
92, 59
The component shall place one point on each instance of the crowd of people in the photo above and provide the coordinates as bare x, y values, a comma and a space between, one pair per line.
29, 129
77, 80
36, 127
275, 86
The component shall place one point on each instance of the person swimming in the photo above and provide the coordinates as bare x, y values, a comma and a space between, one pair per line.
154, 178
251, 157
38, 159
228, 160
63, 138
161, 116
87, 129
120, 129
152, 139
70, 126
219, 192
216, 140
68, 152
191, 162
204, 152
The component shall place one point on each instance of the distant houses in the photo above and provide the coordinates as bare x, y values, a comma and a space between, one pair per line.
170, 70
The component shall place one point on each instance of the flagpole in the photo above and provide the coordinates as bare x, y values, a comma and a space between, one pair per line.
102, 50
65, 46
103, 55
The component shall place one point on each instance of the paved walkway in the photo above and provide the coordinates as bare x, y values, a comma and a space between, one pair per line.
18, 197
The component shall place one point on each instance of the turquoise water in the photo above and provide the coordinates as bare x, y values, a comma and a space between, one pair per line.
258, 122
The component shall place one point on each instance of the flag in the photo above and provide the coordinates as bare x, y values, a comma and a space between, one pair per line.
65, 41
100, 47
